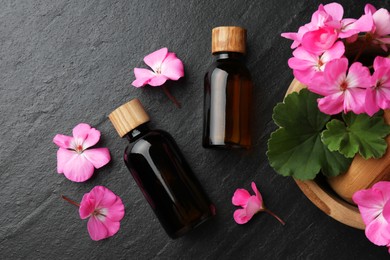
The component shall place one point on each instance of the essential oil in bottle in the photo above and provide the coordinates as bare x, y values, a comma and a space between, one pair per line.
227, 92
161, 172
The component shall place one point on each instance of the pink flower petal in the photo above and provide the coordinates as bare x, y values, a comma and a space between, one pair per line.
112, 226
369, 203
381, 62
364, 23
332, 104
358, 76
240, 216
92, 138
158, 80
98, 156
335, 10
78, 168
80, 132
143, 76
376, 230
240, 197
96, 229
335, 71
253, 206
257, 193
116, 211
384, 188
371, 102
354, 99
382, 22
172, 67
63, 157
336, 52
155, 59
369, 8
305, 76
63, 141
87, 206
386, 211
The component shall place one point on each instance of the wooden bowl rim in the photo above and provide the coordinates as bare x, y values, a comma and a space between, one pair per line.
329, 202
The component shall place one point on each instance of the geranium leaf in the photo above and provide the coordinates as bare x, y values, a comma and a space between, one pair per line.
296, 149
360, 133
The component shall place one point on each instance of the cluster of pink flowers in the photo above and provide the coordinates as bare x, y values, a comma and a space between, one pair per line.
319, 60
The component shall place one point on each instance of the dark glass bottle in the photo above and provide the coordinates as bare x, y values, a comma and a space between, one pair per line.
227, 92
161, 172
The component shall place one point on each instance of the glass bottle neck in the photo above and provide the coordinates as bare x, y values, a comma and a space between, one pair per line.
137, 132
228, 55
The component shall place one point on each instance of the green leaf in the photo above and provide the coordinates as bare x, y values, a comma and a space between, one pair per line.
296, 149
360, 133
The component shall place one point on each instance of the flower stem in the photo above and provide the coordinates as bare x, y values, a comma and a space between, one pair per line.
171, 97
275, 216
70, 201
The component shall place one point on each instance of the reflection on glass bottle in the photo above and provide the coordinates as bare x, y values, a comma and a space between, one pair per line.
227, 92
161, 172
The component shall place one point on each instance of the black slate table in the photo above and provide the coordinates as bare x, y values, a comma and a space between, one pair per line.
66, 62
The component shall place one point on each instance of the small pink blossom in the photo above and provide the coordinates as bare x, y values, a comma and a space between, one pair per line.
374, 207
104, 209
378, 95
320, 40
305, 64
74, 158
165, 65
251, 204
342, 91
380, 29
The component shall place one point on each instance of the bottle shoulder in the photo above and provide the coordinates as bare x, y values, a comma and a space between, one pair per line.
151, 138
229, 67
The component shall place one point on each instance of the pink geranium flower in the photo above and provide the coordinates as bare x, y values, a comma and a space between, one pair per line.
343, 91
74, 159
380, 29
374, 207
319, 40
378, 95
104, 209
165, 65
306, 64
250, 205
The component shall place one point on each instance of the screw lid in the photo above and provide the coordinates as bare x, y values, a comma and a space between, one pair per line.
228, 38
128, 116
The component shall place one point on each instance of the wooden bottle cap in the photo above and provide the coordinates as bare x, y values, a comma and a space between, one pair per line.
128, 116
228, 38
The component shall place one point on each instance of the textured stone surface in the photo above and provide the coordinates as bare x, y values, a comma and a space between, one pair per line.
65, 62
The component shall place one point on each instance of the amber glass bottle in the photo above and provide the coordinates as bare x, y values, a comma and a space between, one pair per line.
161, 172
227, 92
